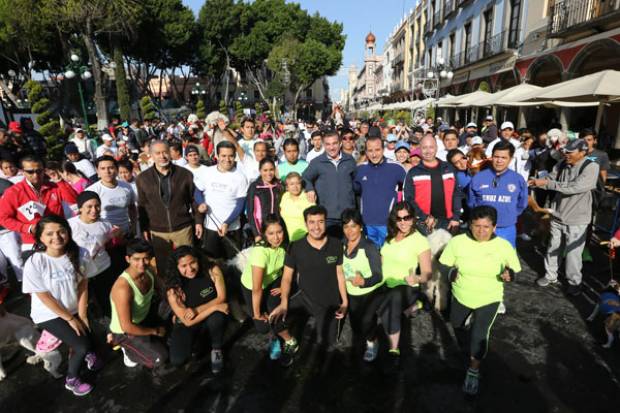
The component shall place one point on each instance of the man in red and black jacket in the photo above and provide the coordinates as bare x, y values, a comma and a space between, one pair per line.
430, 188
24, 204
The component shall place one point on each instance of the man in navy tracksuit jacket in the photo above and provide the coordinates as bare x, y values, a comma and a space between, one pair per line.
377, 181
501, 188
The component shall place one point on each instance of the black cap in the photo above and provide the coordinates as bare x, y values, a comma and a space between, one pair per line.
374, 132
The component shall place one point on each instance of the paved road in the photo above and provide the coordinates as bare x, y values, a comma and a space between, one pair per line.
543, 358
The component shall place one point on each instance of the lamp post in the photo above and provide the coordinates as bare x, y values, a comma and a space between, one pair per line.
73, 69
434, 75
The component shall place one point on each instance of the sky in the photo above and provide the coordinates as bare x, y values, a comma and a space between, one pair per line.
358, 18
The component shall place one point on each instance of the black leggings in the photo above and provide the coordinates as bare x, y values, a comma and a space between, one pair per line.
480, 328
100, 286
183, 337
80, 345
267, 304
396, 300
324, 316
363, 313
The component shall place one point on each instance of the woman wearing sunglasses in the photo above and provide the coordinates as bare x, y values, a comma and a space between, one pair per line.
406, 263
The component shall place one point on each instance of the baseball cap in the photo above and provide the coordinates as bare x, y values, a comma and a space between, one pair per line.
107, 137
402, 145
576, 145
15, 127
507, 125
125, 124
476, 140
374, 132
416, 152
191, 149
489, 117
471, 125
71, 148
443, 128
391, 138
79, 130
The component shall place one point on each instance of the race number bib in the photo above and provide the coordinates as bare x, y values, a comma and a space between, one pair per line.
31, 208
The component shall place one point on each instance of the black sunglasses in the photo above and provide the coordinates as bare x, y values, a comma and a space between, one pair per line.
405, 218
34, 171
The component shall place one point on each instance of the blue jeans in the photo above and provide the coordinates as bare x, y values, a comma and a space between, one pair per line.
376, 234
508, 233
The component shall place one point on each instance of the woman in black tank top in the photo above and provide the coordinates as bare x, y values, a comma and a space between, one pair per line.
197, 295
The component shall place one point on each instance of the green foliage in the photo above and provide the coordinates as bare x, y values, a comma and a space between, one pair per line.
46, 118
238, 111
148, 109
218, 22
200, 109
430, 111
223, 109
122, 94
258, 107
403, 115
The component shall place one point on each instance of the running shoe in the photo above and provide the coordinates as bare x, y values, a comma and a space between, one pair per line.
93, 363
372, 350
472, 382
217, 361
288, 355
501, 309
275, 349
127, 361
76, 386
545, 282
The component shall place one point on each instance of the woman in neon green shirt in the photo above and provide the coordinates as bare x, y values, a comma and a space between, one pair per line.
364, 280
261, 285
480, 264
405, 250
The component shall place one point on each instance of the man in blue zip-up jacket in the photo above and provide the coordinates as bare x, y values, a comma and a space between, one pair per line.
501, 188
377, 181
328, 181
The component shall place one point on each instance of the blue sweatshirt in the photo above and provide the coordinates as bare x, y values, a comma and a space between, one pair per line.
507, 193
378, 185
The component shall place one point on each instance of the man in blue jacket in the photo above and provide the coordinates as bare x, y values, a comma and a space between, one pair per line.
329, 181
501, 188
377, 181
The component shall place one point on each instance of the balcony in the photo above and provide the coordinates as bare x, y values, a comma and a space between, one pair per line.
437, 19
428, 27
569, 17
398, 59
493, 46
449, 7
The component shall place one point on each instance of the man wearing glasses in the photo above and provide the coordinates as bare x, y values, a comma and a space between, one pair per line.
24, 204
348, 143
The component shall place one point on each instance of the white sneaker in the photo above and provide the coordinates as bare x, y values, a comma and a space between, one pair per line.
501, 309
127, 360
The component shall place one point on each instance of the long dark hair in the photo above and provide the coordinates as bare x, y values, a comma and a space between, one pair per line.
271, 219
392, 227
71, 249
174, 278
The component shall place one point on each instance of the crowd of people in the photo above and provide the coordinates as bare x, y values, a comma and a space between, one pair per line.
331, 220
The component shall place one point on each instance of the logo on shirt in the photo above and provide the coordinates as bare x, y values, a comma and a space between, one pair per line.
512, 187
204, 293
484, 186
332, 259
365, 178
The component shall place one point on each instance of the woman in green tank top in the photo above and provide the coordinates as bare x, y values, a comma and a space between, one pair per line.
364, 281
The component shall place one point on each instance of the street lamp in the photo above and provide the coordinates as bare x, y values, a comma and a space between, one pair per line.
76, 69
198, 90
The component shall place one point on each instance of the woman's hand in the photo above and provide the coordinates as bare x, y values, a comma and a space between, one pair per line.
277, 313
221, 307
116, 232
262, 317
341, 312
412, 280
77, 326
160, 331
358, 280
189, 314
275, 292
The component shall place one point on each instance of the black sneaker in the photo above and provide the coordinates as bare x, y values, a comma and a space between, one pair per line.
288, 353
573, 290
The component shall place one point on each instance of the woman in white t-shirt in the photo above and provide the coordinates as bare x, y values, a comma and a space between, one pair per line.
54, 276
92, 233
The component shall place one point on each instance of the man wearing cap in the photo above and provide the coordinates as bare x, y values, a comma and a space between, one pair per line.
83, 165
192, 156
85, 146
471, 129
489, 130
390, 146
377, 181
507, 131
431, 189
107, 146
572, 181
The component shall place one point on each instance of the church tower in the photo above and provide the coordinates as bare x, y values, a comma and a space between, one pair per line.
370, 59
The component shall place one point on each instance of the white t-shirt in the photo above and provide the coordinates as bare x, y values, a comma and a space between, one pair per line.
313, 154
86, 167
248, 146
93, 237
249, 167
389, 154
221, 190
180, 162
16, 179
104, 148
195, 171
57, 276
115, 202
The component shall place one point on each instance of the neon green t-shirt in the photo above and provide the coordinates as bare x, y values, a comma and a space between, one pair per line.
270, 259
400, 257
360, 263
479, 264
292, 212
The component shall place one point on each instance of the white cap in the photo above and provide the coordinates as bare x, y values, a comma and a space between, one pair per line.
507, 125
476, 140
79, 130
471, 125
107, 137
489, 117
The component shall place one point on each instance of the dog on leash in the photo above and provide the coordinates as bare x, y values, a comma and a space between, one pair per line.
20, 330
609, 306
438, 286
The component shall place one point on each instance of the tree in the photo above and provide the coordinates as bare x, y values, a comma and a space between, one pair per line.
223, 107
200, 109
122, 94
148, 109
49, 124
238, 111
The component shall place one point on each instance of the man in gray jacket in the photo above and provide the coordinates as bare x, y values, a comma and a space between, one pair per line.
573, 181
328, 181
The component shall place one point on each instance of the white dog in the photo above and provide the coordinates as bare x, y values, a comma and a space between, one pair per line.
437, 287
20, 330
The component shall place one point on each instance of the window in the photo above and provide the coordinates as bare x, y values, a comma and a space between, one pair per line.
488, 27
467, 37
515, 16
452, 47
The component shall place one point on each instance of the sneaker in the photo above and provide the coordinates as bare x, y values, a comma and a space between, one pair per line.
288, 354
573, 290
525, 237
127, 361
472, 382
93, 363
217, 361
372, 350
545, 282
275, 349
501, 309
77, 386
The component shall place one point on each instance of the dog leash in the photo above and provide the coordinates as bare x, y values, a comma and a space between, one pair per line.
218, 225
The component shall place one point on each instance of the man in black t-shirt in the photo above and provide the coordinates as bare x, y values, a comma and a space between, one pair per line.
316, 263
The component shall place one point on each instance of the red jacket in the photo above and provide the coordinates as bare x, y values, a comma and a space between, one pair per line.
19, 205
